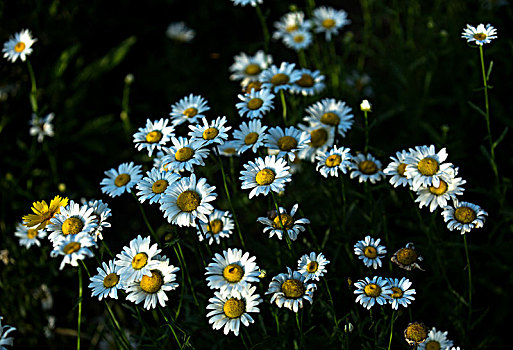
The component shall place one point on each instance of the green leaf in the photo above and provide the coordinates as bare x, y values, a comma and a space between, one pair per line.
477, 108
64, 60
489, 71
496, 143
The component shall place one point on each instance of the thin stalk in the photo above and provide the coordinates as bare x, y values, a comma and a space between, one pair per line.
284, 106
264, 28
300, 327
391, 330
331, 302
344, 203
107, 248
183, 281
469, 281
124, 341
302, 58
145, 218
335, 68
366, 148
79, 306
33, 89
187, 273
125, 106
198, 224
367, 23
170, 327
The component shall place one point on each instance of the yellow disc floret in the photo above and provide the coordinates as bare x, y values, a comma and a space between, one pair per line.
255, 103
265, 177
286, 143
72, 247
293, 289
20, 46
368, 167
299, 38
215, 226
159, 186
432, 345
190, 112
441, 189
328, 23
210, 133
280, 79
139, 261
72, 226
121, 180
184, 154
330, 118
306, 81
283, 221
318, 137
188, 201
480, 36
233, 273
396, 293
370, 252
251, 138
428, 166
401, 168
31, 233
110, 280
312, 266
407, 256
465, 215
153, 136
234, 308
372, 290
333, 160
416, 332
151, 284
252, 69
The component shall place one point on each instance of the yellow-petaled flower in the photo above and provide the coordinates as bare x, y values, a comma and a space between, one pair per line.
44, 213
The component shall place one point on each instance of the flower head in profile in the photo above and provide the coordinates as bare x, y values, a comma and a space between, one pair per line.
29, 236
179, 31
397, 168
265, 175
41, 127
291, 289
19, 46
154, 136
101, 212
327, 20
312, 266
370, 251
371, 291
107, 282
284, 223
122, 179
464, 216
74, 248
480, 35
44, 213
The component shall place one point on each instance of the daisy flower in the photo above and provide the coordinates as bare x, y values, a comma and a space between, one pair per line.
179, 31
219, 225
360, 82
397, 168
152, 186
101, 212
370, 251
74, 248
213, 133
282, 78
284, 143
121, 180
366, 167
289, 23
247, 2
407, 258
250, 135
416, 333
255, 104
254, 85
247, 68
424, 166
228, 149
332, 113
277, 225
154, 136
327, 20
264, 175
436, 340
371, 291
330, 163
290, 290
189, 109
464, 216
321, 138
137, 260
184, 154
229, 311
29, 236
152, 288
401, 292
41, 127
312, 266
19, 46
298, 40
107, 282
435, 197
232, 271
309, 84
186, 200
44, 213
480, 35
4, 332
73, 219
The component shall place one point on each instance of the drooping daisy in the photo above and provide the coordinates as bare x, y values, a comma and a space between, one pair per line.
464, 216
179, 31
101, 212
41, 127
152, 186
73, 219
321, 138
107, 282
480, 35
29, 236
371, 291
279, 78
312, 266
264, 175
289, 23
366, 168
184, 154
310, 83
19, 46
436, 340
229, 311
397, 168
152, 288
327, 20
278, 224
330, 163
332, 113
210, 133
407, 258
247, 2
247, 68
298, 40
228, 149
370, 251
425, 166
416, 333
154, 136
137, 260
290, 290
44, 213
121, 180
219, 225
4, 332
284, 143
232, 271
189, 109
74, 248
250, 135
401, 292
435, 197
186, 200
255, 104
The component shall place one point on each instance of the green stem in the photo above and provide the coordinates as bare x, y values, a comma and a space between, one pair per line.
344, 203
170, 327
33, 90
145, 218
469, 281
125, 107
122, 335
182, 270
264, 28
366, 133
331, 302
391, 330
367, 23
79, 306
184, 265
302, 59
284, 106
204, 236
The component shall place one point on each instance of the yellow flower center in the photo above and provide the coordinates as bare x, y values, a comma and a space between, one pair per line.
121, 180
407, 256
306, 80
368, 167
312, 266
428, 166
441, 189
190, 112
401, 168
286, 143
265, 177
255, 103
330, 118
72, 226
215, 226
110, 280
159, 186
280, 79
31, 233
72, 247
151, 284
229, 150
234, 308
293, 289
299, 38
416, 332
370, 252
328, 23
284, 219
184, 154
318, 137
480, 36
252, 69
19, 47
153, 136
139, 261
372, 290
333, 160
465, 215
188, 201
433, 345
254, 85
210, 133
396, 293
292, 28
251, 138
233, 273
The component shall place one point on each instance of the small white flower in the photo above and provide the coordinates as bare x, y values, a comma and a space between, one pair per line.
137, 260
210, 133
247, 68
219, 225
19, 46
284, 143
397, 168
401, 292
279, 78
371, 291
310, 83
330, 163
107, 282
278, 224
184, 154
179, 31
74, 248
370, 251
121, 180
464, 216
366, 167
255, 104
298, 40
154, 136
312, 266
480, 35
289, 23
265, 175
327, 20
365, 106
152, 186
250, 136
332, 113
42, 126
189, 109
29, 236
290, 290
